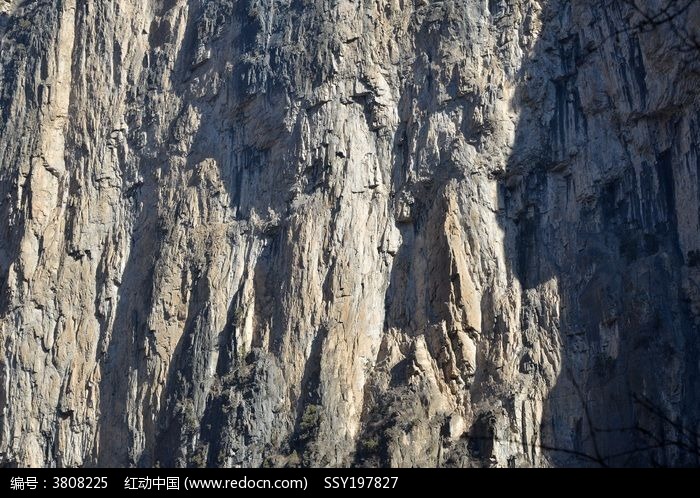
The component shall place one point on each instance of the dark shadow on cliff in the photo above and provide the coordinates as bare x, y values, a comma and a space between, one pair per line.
627, 392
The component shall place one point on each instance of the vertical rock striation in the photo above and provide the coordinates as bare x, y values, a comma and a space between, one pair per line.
339, 232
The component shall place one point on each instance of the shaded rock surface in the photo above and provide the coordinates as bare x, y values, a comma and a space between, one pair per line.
339, 232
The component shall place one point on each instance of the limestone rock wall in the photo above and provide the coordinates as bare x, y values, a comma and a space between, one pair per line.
340, 232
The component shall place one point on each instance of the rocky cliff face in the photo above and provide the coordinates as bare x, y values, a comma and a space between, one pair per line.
339, 232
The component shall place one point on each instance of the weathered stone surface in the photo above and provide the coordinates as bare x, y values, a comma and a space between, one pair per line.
337, 232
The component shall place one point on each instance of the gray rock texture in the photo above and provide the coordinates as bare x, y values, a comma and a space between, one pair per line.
342, 232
